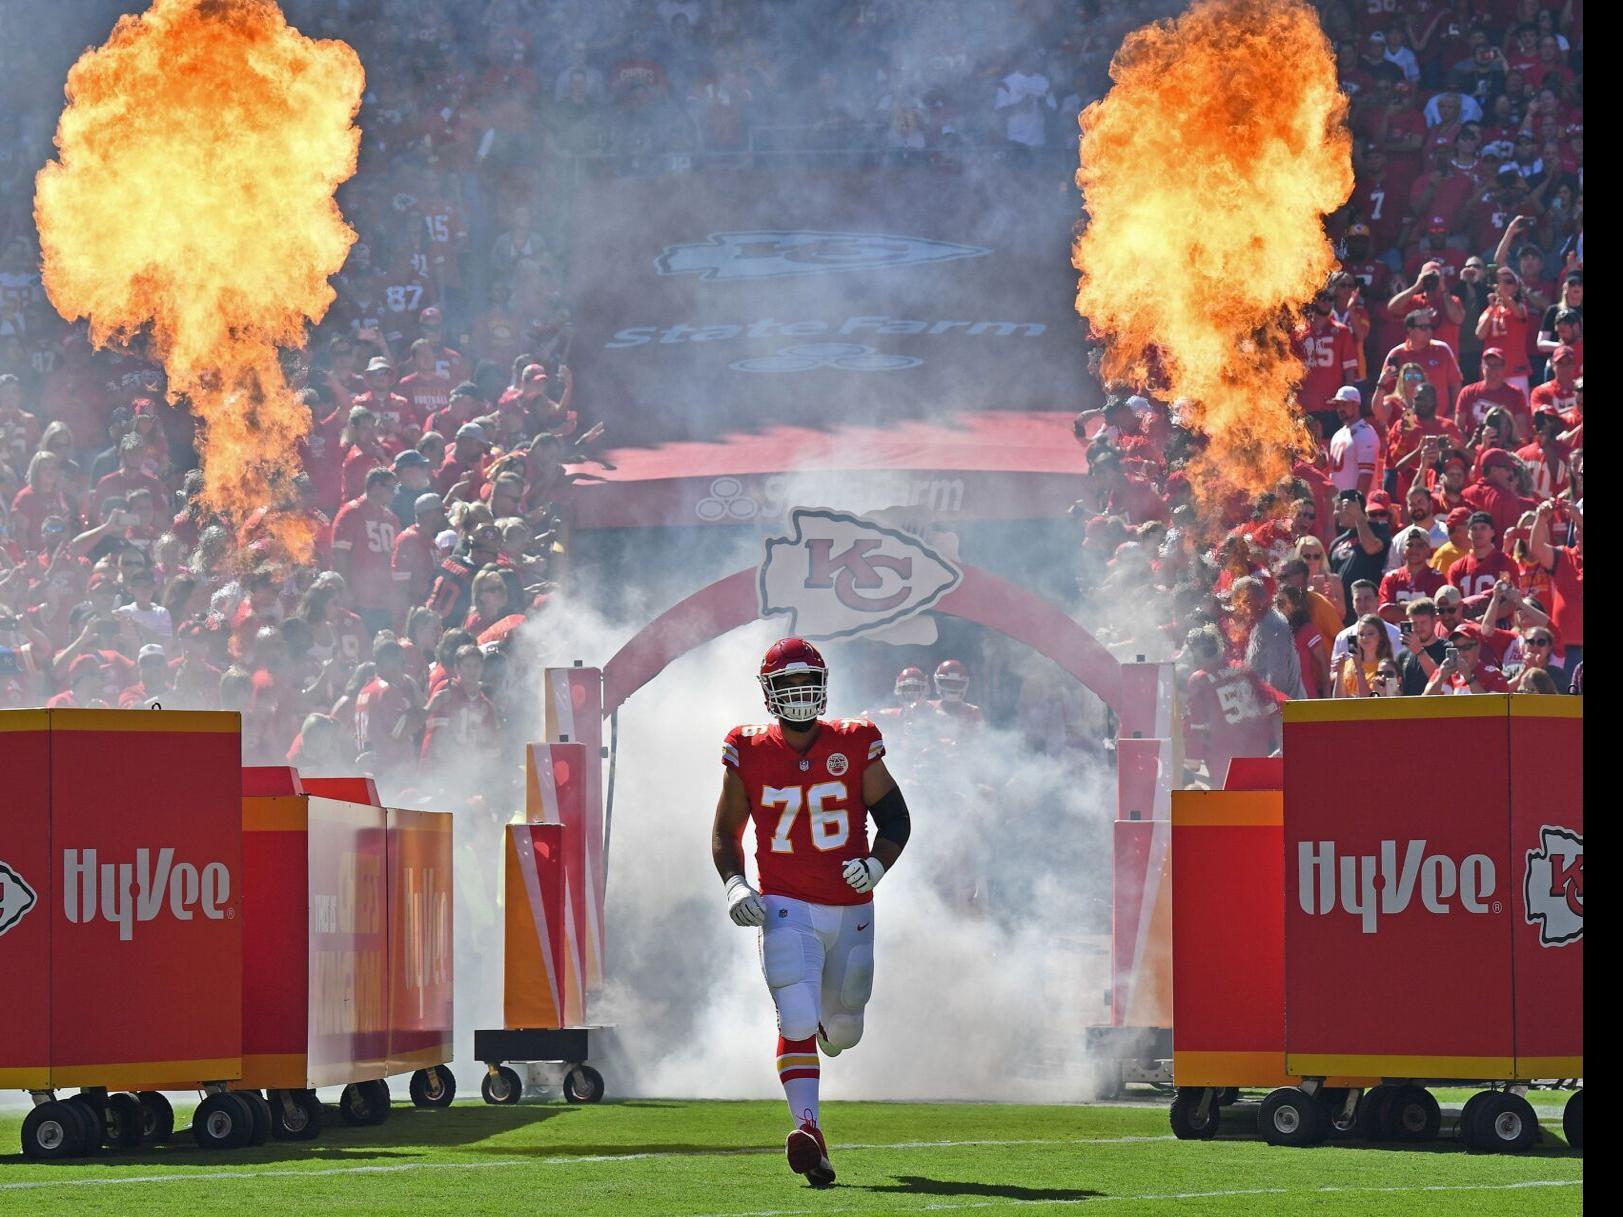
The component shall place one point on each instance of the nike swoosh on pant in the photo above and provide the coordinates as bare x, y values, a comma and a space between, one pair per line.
862, 927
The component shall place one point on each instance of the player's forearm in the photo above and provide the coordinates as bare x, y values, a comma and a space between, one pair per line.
725, 854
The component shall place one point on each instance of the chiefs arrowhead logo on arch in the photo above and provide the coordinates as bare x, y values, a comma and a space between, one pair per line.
839, 575
1554, 886
774, 253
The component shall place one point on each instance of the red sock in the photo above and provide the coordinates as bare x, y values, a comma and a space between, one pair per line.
799, 1071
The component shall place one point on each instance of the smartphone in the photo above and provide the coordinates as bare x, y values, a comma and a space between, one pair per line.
1405, 628
1451, 654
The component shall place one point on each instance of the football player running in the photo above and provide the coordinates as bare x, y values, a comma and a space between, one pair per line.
809, 784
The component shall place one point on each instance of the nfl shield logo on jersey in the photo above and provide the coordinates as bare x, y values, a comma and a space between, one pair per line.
839, 575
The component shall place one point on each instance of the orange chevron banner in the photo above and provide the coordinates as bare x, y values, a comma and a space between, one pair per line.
574, 715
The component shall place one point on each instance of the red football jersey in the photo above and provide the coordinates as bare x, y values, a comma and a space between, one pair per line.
1330, 359
808, 810
368, 533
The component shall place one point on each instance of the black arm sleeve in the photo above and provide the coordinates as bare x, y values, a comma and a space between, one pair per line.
890, 815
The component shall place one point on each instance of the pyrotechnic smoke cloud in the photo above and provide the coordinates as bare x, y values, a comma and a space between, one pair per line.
192, 198
1206, 172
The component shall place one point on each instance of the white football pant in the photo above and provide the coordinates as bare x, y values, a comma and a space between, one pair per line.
818, 962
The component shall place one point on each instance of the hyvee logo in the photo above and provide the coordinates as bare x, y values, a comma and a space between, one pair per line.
773, 254
1554, 886
16, 897
1371, 886
840, 575
125, 893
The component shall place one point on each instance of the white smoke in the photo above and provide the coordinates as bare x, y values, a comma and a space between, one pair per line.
991, 948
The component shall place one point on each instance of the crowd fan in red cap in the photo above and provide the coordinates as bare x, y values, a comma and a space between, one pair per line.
1430, 540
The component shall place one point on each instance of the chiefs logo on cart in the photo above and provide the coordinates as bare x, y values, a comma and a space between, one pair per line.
16, 897
1554, 886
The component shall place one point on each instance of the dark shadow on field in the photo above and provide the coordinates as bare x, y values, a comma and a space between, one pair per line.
409, 1133
923, 1185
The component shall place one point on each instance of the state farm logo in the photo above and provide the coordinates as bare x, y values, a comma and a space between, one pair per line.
726, 501
1554, 886
772, 254
16, 897
1371, 886
126, 893
840, 575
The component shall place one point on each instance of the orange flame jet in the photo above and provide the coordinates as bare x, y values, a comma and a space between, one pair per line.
192, 199
1206, 172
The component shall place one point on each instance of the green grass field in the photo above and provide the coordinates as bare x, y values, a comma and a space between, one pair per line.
647, 1157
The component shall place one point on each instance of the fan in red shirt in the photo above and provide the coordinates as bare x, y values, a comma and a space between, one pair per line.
426, 389
464, 462
1476, 399
1565, 564
1494, 491
1328, 351
1508, 324
1417, 439
1416, 577
462, 721
1561, 392
393, 412
386, 712
1546, 456
363, 548
1429, 292
1469, 673
415, 560
362, 452
131, 474
1418, 346
1231, 711
447, 363
1486, 564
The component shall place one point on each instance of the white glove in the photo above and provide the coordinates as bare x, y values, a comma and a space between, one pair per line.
863, 874
744, 903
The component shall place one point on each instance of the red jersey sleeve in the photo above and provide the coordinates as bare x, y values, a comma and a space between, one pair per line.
729, 749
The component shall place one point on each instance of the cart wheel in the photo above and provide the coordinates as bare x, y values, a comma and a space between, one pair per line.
1412, 1115
1462, 1126
1187, 1122
259, 1111
1291, 1116
221, 1122
125, 1121
502, 1087
1333, 1102
53, 1130
433, 1087
583, 1084
93, 1108
157, 1118
1503, 1123
364, 1103
1572, 1120
295, 1115
1367, 1120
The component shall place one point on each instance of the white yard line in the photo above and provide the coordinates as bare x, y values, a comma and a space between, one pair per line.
204, 1176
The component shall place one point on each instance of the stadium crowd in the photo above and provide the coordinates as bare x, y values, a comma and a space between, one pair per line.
1430, 543
1430, 540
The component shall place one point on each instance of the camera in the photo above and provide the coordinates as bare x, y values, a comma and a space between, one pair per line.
1430, 281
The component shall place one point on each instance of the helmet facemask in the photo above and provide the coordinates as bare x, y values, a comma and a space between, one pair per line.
951, 688
800, 704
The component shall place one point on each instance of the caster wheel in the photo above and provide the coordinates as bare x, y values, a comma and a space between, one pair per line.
157, 1118
53, 1130
260, 1113
1505, 1123
1228, 1096
1572, 1120
1411, 1116
502, 1087
1468, 1112
364, 1103
1188, 1124
583, 1084
94, 1109
1333, 1102
1368, 1119
125, 1121
434, 1087
1291, 1116
221, 1121
295, 1115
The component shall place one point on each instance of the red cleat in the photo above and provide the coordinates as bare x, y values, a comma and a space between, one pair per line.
808, 1155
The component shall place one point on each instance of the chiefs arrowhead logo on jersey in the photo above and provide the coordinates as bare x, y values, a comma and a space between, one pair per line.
840, 575
16, 897
773, 254
1554, 887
